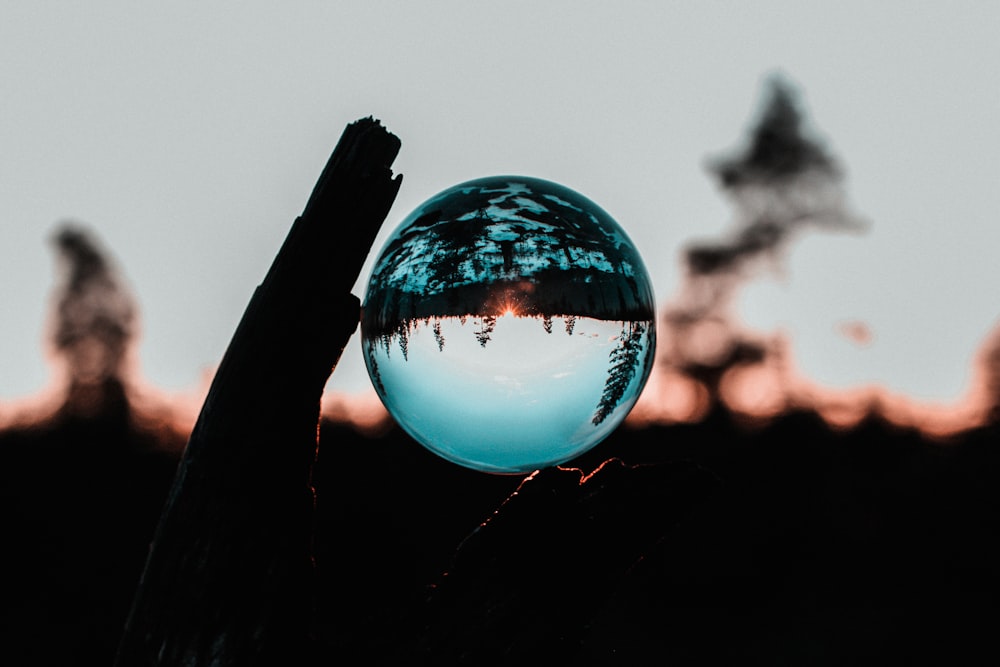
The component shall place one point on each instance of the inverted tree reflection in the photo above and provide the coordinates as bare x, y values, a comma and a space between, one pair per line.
626, 359
623, 364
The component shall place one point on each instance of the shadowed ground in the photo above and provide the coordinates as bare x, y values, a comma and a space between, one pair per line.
688, 545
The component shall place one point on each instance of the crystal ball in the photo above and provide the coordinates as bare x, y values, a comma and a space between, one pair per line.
508, 324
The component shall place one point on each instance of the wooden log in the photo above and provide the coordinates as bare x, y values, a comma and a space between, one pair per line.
228, 580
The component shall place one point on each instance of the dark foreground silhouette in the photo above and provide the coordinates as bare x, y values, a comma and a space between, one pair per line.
80, 496
790, 544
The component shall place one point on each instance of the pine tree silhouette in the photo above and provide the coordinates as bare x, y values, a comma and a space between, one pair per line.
624, 360
374, 372
438, 336
483, 335
403, 331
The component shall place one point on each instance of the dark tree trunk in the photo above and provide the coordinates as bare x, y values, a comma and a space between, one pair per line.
228, 580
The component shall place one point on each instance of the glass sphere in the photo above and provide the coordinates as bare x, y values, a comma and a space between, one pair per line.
508, 324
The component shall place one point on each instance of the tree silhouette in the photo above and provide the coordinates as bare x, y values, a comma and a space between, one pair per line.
624, 363
402, 332
438, 336
491, 236
373, 369
483, 335
386, 339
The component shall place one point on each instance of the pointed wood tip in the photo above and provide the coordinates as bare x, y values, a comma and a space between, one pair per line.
367, 148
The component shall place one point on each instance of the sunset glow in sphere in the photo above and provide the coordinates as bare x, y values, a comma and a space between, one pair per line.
509, 324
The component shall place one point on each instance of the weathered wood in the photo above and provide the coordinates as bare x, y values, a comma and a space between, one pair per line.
228, 580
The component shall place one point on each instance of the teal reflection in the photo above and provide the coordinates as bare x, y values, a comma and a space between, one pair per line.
509, 324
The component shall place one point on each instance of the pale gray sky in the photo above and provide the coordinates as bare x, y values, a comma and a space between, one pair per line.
189, 135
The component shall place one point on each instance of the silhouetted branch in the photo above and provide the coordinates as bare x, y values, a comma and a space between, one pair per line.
228, 580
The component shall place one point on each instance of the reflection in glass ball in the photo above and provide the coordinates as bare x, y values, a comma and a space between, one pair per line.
509, 324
